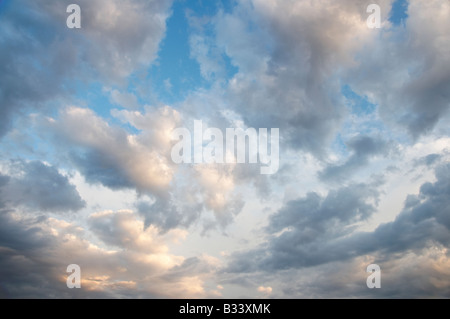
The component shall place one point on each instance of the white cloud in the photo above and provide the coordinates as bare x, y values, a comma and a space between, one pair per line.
124, 99
111, 156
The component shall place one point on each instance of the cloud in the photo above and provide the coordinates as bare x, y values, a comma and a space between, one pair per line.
122, 229
313, 231
116, 37
111, 156
3, 181
217, 185
166, 214
139, 266
22, 236
428, 160
423, 221
124, 99
409, 69
201, 192
316, 214
179, 196
41, 56
303, 231
289, 55
39, 187
364, 148
313, 249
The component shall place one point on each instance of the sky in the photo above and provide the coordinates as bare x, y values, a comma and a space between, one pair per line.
86, 169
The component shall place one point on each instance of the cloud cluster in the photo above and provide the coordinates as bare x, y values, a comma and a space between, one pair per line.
38, 66
305, 231
129, 261
308, 231
316, 231
364, 148
111, 156
406, 70
289, 55
203, 193
38, 187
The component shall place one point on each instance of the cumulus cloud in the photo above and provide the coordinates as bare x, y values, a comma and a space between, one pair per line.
412, 275
290, 61
179, 196
424, 220
309, 227
428, 160
37, 66
313, 251
124, 99
122, 229
141, 266
39, 187
203, 191
111, 156
288, 55
171, 213
315, 231
364, 148
409, 69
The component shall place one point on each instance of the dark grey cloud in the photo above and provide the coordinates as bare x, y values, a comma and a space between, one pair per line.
31, 70
312, 252
39, 187
192, 265
427, 160
98, 167
32, 262
427, 96
424, 220
363, 148
35, 252
316, 229
343, 206
308, 226
24, 270
23, 236
109, 155
165, 215
3, 181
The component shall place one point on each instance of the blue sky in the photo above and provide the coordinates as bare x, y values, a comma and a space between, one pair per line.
87, 176
398, 14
